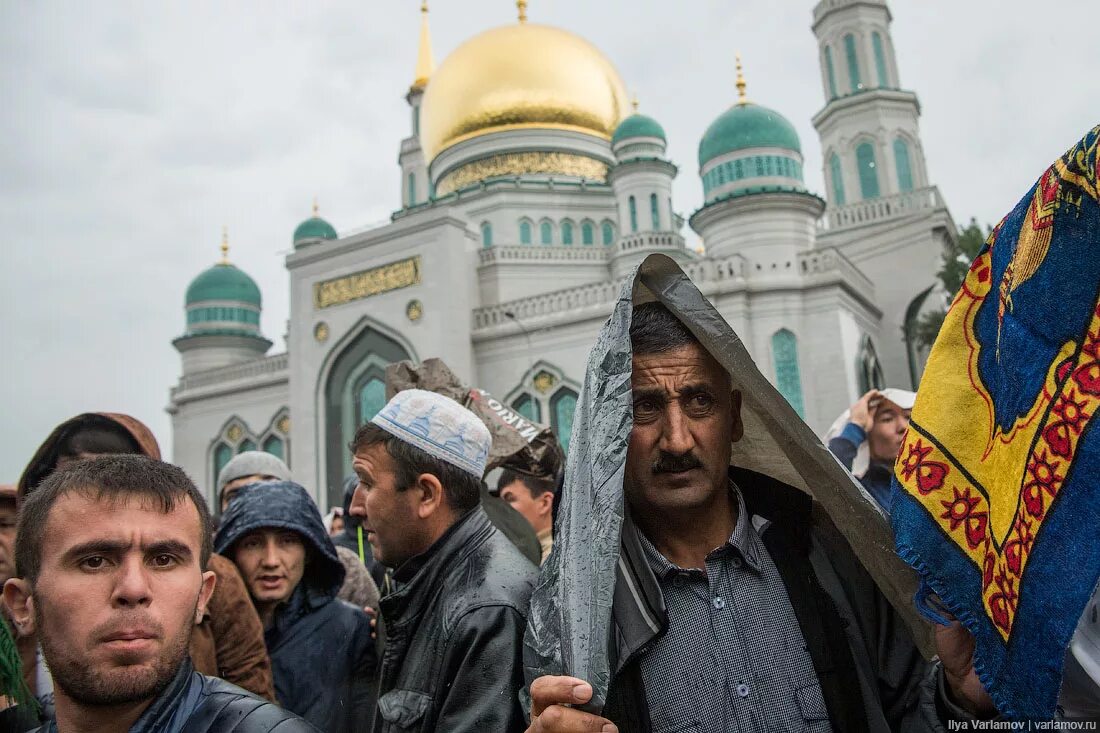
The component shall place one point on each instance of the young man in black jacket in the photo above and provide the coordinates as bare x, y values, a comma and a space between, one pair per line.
454, 625
111, 574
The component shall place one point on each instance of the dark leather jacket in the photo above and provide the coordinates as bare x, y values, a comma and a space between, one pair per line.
195, 703
453, 655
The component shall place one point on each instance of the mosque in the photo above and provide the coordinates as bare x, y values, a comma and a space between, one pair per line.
529, 189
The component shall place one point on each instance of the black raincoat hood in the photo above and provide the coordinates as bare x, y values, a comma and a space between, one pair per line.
570, 616
285, 505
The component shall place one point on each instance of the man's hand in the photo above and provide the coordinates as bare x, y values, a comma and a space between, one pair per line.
863, 411
955, 645
550, 697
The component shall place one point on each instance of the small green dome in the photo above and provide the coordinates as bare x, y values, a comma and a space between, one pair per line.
637, 125
747, 125
223, 281
314, 228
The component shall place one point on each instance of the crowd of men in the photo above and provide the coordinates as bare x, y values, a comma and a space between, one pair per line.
132, 608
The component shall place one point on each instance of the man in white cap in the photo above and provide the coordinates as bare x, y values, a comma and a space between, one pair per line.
867, 438
455, 623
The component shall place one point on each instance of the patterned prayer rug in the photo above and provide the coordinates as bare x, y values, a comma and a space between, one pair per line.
997, 487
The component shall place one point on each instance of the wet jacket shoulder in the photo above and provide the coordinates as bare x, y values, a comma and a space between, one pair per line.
871, 673
322, 655
454, 635
229, 643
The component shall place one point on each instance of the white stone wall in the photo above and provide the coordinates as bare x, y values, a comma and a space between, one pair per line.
197, 425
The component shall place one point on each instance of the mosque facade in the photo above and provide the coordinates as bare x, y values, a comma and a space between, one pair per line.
529, 189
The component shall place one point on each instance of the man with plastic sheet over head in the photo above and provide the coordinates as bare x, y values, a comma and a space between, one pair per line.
681, 446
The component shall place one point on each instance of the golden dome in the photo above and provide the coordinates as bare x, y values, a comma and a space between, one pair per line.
518, 76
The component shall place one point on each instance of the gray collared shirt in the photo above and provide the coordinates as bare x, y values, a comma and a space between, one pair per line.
733, 658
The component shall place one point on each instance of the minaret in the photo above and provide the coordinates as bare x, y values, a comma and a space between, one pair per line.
223, 308
870, 139
415, 187
642, 181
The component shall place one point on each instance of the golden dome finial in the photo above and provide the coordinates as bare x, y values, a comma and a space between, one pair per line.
425, 64
741, 98
225, 245
315, 209
522, 5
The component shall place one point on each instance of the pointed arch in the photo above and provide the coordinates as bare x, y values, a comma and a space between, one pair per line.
567, 229
836, 178
788, 378
588, 232
852, 57
903, 164
525, 228
830, 74
546, 232
868, 170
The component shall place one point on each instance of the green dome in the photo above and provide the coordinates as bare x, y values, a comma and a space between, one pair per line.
314, 228
223, 281
637, 125
747, 125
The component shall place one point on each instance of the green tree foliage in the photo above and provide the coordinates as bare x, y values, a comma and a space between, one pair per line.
956, 261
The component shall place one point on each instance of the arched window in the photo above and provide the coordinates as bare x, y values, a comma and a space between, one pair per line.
788, 380
486, 234
853, 62
525, 232
837, 179
608, 233
654, 212
246, 445
412, 189
546, 233
738, 173
901, 160
275, 446
633, 215
721, 175
562, 406
223, 454
528, 406
759, 165
588, 233
868, 369
880, 59
567, 232
868, 171
829, 73
371, 395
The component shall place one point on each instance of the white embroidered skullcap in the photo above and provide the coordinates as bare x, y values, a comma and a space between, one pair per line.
439, 426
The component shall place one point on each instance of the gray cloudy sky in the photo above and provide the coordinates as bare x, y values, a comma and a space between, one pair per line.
132, 131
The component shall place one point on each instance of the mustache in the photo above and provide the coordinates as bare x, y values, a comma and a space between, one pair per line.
672, 463
127, 621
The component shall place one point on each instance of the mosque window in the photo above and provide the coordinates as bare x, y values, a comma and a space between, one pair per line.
787, 378
654, 212
608, 233
767, 165
868, 171
525, 232
901, 158
528, 406
588, 232
738, 172
546, 233
562, 406
633, 215
246, 445
486, 234
759, 165
412, 189
721, 174
868, 368
830, 73
567, 232
837, 179
372, 398
853, 62
880, 59
275, 446
222, 455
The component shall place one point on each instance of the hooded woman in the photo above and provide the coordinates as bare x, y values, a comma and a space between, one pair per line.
322, 655
229, 641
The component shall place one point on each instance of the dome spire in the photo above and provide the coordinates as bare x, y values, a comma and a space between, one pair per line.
315, 207
741, 98
225, 245
522, 6
425, 64
634, 101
